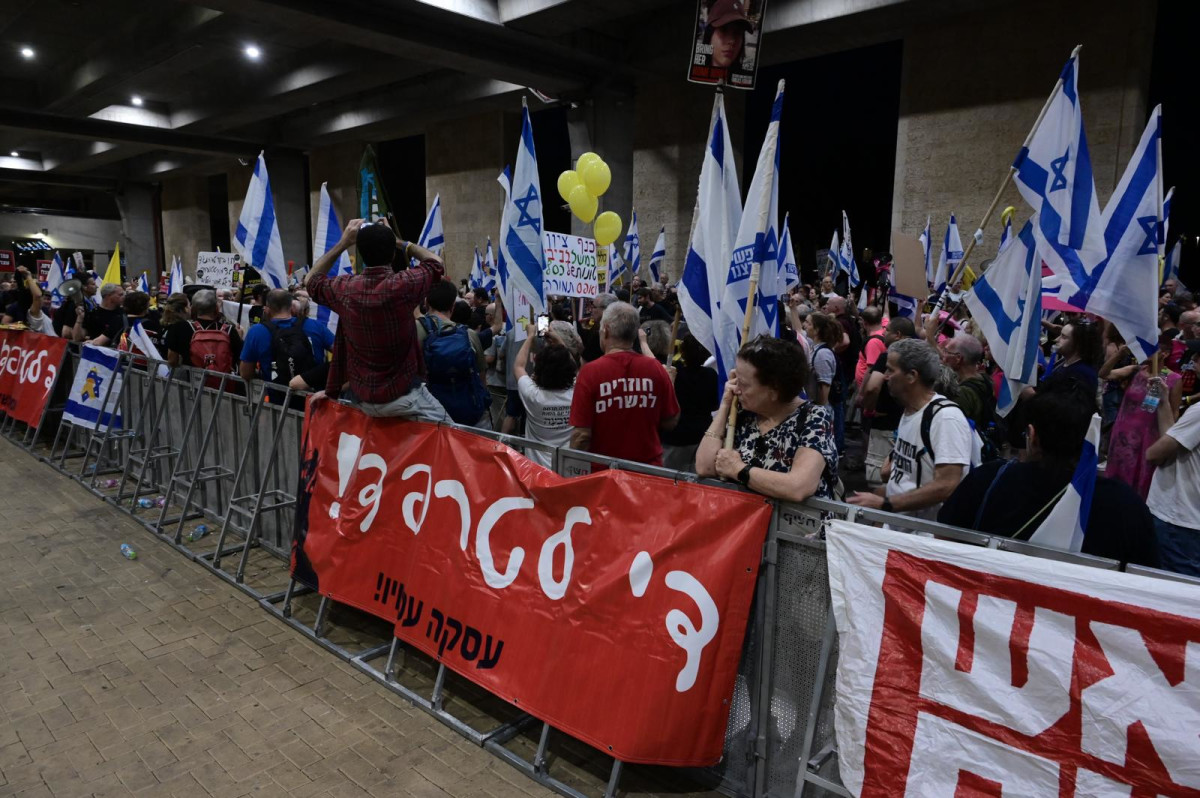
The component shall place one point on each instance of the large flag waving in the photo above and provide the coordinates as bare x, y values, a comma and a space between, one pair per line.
835, 257
433, 235
522, 261
1053, 172
113, 273
175, 284
633, 247
715, 223
329, 232
55, 278
257, 235
950, 256
755, 253
1006, 303
659, 255
789, 272
1063, 528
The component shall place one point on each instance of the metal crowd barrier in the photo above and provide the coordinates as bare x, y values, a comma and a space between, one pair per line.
220, 451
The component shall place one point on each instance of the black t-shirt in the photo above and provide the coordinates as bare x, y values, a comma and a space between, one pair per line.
1078, 371
102, 321
178, 338
1119, 524
887, 409
656, 312
17, 311
849, 355
696, 389
591, 342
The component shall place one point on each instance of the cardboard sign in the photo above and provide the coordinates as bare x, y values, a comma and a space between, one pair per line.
726, 47
570, 265
908, 267
216, 268
612, 606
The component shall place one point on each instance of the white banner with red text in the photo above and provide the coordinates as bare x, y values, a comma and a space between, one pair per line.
966, 671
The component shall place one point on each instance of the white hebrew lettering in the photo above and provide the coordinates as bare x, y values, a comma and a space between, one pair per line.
483, 548
684, 632
556, 589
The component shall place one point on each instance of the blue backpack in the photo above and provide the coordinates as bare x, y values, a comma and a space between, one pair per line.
451, 371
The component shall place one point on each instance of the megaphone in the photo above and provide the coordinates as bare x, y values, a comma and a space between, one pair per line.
71, 289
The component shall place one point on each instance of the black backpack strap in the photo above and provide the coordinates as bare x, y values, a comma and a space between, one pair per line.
931, 410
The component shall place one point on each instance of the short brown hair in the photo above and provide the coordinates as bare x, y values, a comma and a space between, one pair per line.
778, 364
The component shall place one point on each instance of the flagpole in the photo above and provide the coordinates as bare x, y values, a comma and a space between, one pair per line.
751, 306
1004, 185
1160, 240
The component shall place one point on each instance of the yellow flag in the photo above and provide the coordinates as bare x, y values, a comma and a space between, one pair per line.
968, 278
113, 273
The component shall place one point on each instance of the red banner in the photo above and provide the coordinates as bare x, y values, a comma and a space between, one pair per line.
612, 606
29, 364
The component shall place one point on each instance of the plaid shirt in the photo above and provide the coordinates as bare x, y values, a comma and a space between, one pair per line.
376, 350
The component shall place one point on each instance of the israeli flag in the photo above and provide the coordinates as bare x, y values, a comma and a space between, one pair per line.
659, 255
475, 279
789, 272
1005, 237
1064, 527
175, 284
140, 339
433, 235
1053, 172
755, 254
927, 248
849, 265
329, 233
1006, 303
55, 278
326, 317
257, 234
617, 267
97, 378
143, 284
633, 247
522, 261
835, 257
950, 256
906, 306
1124, 287
715, 221
1171, 265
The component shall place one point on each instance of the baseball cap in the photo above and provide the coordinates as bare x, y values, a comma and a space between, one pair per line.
723, 12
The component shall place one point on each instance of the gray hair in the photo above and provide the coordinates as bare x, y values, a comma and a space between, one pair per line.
947, 383
602, 301
658, 338
565, 332
969, 347
204, 302
108, 289
915, 355
621, 320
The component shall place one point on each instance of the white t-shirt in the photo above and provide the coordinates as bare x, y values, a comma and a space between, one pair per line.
547, 417
40, 323
953, 444
1175, 488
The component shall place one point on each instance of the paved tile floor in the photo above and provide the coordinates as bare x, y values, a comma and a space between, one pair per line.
152, 677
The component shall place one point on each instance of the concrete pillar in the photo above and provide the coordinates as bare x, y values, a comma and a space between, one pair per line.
185, 220
336, 165
603, 125
138, 206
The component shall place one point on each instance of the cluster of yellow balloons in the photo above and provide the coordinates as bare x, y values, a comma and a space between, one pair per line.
582, 188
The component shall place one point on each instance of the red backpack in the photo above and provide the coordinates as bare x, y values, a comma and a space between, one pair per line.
211, 349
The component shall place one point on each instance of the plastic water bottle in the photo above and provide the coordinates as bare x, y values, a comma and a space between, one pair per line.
110, 483
128, 552
160, 501
1153, 396
200, 531
145, 504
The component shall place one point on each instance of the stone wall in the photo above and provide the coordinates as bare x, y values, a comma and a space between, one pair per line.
185, 220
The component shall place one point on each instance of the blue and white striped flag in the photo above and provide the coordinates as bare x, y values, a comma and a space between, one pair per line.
141, 340
755, 253
927, 248
97, 378
846, 254
659, 255
633, 247
1171, 266
329, 233
617, 268
950, 256
175, 282
1064, 527
1053, 172
906, 306
257, 235
789, 272
433, 235
143, 284
1124, 287
715, 223
55, 278
324, 315
1006, 303
475, 279
835, 257
522, 262
1006, 236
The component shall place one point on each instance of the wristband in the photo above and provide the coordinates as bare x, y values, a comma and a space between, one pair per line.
887, 505
743, 476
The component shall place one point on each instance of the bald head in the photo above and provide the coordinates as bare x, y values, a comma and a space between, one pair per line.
1189, 325
836, 306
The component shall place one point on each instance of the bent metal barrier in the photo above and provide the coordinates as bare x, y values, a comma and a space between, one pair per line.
219, 451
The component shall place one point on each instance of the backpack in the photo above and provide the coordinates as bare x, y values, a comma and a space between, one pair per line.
211, 349
931, 410
995, 433
451, 371
291, 351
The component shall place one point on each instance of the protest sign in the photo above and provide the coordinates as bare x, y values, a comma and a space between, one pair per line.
908, 267
570, 265
965, 670
8, 263
727, 40
216, 268
43, 271
29, 363
612, 606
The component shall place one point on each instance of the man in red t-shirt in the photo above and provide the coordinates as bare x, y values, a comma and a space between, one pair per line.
623, 399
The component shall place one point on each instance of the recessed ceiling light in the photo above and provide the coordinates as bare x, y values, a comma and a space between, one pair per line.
136, 100
27, 52
252, 52
15, 154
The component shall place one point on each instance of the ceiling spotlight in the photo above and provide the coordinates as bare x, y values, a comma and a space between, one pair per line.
15, 154
136, 100
252, 52
27, 52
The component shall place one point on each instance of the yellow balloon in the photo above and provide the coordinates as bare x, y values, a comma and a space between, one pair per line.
585, 160
608, 228
597, 178
567, 181
582, 204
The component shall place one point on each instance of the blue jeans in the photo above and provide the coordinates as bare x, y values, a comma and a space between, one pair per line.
1178, 547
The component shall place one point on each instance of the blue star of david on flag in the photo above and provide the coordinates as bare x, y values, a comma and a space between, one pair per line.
1059, 166
523, 203
1150, 228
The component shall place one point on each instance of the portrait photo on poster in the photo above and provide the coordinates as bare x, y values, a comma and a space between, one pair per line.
725, 47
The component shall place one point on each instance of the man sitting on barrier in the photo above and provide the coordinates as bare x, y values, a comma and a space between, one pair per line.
934, 443
1012, 498
376, 352
783, 445
207, 340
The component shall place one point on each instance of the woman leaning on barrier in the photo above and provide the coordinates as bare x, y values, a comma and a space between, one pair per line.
783, 444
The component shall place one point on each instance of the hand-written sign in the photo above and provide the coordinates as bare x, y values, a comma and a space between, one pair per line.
570, 265
216, 268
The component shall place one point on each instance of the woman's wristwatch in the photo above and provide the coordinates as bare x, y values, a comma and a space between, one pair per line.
887, 505
743, 476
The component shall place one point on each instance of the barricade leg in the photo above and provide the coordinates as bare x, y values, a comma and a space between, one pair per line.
238, 478
282, 499
806, 774
201, 473
182, 458
148, 456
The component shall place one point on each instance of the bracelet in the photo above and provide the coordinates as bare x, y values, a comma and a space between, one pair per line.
710, 434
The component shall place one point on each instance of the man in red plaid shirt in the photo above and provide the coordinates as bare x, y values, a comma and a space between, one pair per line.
376, 354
